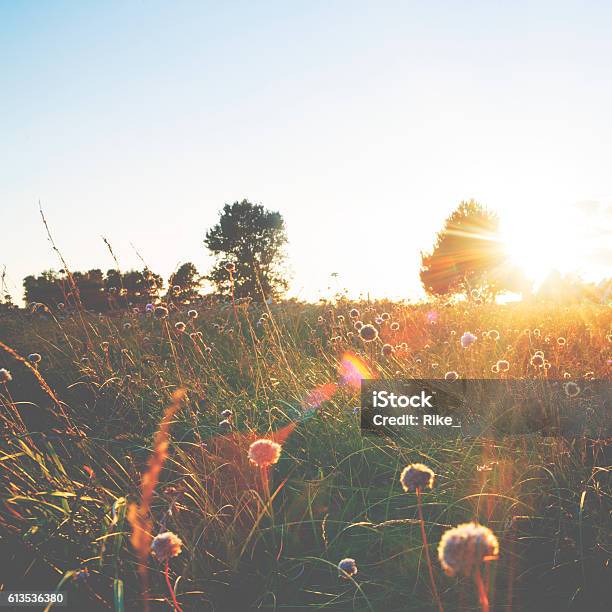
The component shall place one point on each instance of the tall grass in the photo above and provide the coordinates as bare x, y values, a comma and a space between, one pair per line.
80, 428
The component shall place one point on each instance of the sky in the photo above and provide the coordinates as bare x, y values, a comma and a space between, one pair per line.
363, 123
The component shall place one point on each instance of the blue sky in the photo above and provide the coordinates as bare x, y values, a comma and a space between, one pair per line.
363, 123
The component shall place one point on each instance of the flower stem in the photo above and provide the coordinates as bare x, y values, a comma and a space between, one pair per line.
426, 547
482, 593
177, 608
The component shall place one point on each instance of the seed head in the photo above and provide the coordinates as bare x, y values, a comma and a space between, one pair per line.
354, 313
225, 425
494, 334
192, 314
347, 568
161, 312
264, 452
5, 376
463, 548
165, 546
34, 358
179, 326
452, 375
503, 365
230, 267
537, 360
571, 389
368, 333
387, 350
394, 326
416, 476
468, 339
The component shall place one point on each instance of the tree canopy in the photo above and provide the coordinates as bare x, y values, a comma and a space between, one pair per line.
248, 245
468, 254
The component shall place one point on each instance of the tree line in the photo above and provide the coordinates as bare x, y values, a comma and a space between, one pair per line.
248, 241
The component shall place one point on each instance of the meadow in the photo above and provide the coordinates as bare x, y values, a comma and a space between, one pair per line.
120, 427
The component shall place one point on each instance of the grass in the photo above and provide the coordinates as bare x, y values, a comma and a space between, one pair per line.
71, 468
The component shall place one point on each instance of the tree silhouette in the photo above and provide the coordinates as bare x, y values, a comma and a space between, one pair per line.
47, 288
97, 292
183, 285
251, 239
468, 254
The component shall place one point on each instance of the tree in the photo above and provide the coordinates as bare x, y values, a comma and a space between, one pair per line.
183, 284
47, 289
132, 287
251, 239
468, 254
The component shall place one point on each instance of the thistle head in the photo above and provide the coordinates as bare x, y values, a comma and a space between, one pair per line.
463, 548
165, 546
264, 452
416, 476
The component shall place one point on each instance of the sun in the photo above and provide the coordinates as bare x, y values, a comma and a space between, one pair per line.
541, 246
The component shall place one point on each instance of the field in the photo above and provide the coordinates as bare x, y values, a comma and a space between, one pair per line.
118, 433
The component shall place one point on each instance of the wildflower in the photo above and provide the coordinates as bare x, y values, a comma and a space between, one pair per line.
149, 308
561, 341
378, 321
537, 360
127, 326
354, 313
225, 425
385, 316
395, 326
468, 339
192, 314
34, 358
571, 389
416, 476
494, 334
358, 325
347, 568
264, 452
368, 333
503, 365
161, 312
452, 375
567, 375
495, 368
463, 548
387, 350
230, 267
165, 546
5, 376
179, 326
